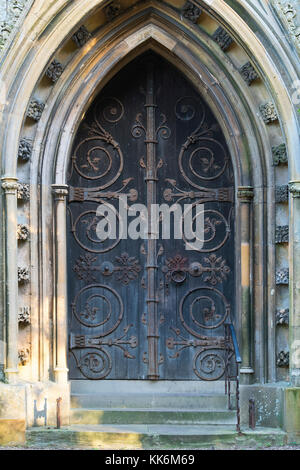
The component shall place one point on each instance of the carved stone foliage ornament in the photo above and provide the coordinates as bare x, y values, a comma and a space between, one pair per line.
282, 193
25, 150
282, 234
248, 73
294, 188
112, 10
268, 112
289, 15
23, 275
23, 355
35, 110
282, 276
14, 10
54, 70
191, 12
81, 36
222, 38
282, 316
23, 232
279, 154
23, 191
283, 359
24, 315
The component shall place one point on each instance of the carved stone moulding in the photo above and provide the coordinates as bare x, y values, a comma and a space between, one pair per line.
283, 359
23, 275
112, 10
23, 232
248, 73
282, 276
245, 193
23, 355
282, 234
25, 150
268, 112
23, 192
191, 12
279, 154
35, 110
222, 38
81, 36
282, 316
24, 315
54, 71
282, 193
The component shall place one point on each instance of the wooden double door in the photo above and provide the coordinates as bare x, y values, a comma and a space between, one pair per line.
150, 307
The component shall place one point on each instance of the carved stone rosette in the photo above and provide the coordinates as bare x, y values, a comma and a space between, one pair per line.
25, 150
35, 110
268, 112
24, 315
112, 10
282, 193
282, 316
282, 234
248, 73
81, 36
282, 276
191, 12
54, 71
23, 355
23, 232
23, 275
283, 359
23, 191
222, 38
279, 154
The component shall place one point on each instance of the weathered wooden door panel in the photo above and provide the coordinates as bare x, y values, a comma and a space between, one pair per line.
149, 309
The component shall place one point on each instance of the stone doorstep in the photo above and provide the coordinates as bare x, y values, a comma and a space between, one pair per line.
12, 431
153, 436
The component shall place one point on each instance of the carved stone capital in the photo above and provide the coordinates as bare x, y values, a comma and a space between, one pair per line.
81, 36
60, 191
9, 185
268, 112
191, 12
222, 38
245, 193
294, 188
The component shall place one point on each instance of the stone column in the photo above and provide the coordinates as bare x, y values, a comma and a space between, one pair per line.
245, 196
61, 308
10, 186
294, 284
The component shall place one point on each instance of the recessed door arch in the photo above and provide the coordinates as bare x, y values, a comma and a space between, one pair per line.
149, 309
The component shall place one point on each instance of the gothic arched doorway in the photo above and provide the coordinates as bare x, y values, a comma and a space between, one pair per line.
138, 308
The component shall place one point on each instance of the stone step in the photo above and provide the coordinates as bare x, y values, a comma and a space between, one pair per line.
153, 416
151, 436
150, 401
